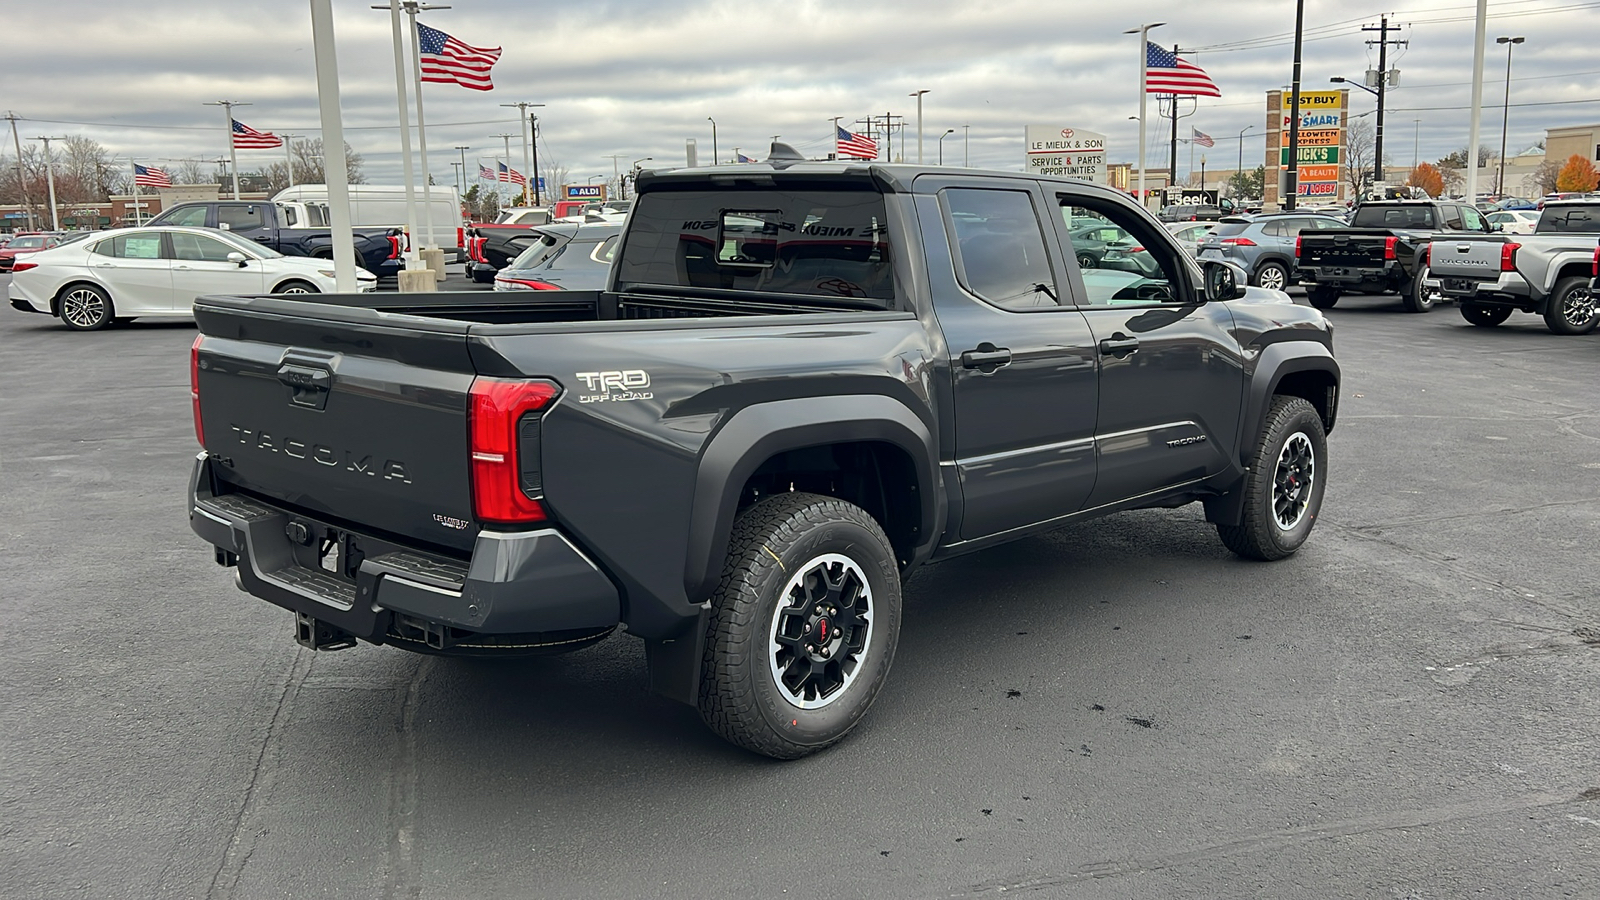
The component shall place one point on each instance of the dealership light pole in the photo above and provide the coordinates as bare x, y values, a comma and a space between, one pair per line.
1474, 130
233, 155
338, 181
1239, 172
50, 180
1143, 31
288, 155
462, 149
966, 133
918, 95
1377, 166
413, 261
412, 8
522, 118
505, 136
947, 133
1505, 115
713, 139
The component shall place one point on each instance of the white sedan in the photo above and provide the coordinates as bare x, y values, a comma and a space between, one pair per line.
1515, 221
127, 273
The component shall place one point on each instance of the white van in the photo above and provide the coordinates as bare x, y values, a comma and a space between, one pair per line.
380, 206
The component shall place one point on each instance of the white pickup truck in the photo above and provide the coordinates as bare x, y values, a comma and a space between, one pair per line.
1547, 272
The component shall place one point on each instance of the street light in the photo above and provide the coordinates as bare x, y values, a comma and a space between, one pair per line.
527, 166
713, 139
1377, 163
1143, 31
966, 135
635, 170
918, 95
1239, 172
947, 133
1505, 115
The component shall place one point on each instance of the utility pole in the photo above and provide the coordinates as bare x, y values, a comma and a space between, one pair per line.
713, 139
1291, 181
1383, 43
522, 114
22, 178
506, 137
533, 131
1505, 115
50, 179
233, 155
461, 183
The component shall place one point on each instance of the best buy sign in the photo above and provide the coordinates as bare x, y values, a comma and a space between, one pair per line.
1311, 155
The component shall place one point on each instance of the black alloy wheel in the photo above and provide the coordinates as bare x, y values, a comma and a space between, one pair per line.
803, 626
1284, 488
1571, 308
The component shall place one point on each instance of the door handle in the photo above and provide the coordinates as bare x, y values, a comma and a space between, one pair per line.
1119, 345
105, 265
184, 268
986, 358
263, 239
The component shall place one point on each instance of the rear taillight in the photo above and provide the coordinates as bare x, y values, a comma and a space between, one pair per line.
1427, 254
1246, 242
1508, 256
504, 422
1595, 268
194, 388
20, 266
531, 284
394, 247
1389, 244
461, 237
1297, 246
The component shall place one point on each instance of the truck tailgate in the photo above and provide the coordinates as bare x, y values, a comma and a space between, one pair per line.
1343, 250
1466, 257
334, 412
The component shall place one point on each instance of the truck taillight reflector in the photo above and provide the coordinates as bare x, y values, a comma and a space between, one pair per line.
1297, 246
461, 237
1508, 256
394, 247
1388, 247
1595, 268
194, 388
500, 462
1427, 254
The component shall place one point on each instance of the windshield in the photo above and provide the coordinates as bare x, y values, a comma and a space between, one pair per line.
809, 241
1394, 217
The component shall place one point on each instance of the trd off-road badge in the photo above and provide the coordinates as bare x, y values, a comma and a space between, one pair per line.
615, 386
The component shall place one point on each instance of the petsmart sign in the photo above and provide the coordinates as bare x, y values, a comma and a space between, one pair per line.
1065, 152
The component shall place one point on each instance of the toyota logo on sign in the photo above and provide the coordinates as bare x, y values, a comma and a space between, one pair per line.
1066, 133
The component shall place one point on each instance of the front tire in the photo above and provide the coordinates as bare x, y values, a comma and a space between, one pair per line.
1283, 492
1087, 261
803, 627
85, 307
1273, 276
296, 287
1571, 308
1484, 316
1322, 296
1420, 298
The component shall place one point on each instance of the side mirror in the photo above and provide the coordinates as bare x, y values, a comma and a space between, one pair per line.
1224, 280
240, 258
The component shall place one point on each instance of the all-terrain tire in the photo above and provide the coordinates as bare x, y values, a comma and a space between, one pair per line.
1418, 298
783, 558
1322, 296
1571, 308
1283, 491
1484, 316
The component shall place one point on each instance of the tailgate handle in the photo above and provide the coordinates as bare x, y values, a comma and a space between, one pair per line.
1463, 248
308, 386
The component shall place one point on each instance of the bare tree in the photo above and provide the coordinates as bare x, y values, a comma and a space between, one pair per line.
190, 171
555, 175
1542, 180
1358, 151
83, 171
308, 168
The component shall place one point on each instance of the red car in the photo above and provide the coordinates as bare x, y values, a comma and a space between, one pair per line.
25, 243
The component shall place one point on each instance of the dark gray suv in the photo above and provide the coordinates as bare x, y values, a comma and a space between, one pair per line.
1263, 244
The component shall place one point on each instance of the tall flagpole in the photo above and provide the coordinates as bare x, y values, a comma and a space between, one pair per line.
422, 133
344, 251
412, 260
233, 153
1144, 72
1481, 36
134, 168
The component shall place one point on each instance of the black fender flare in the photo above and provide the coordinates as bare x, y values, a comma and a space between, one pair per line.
756, 433
1277, 360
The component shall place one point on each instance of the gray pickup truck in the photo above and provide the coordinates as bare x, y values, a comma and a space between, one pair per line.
804, 381
1547, 273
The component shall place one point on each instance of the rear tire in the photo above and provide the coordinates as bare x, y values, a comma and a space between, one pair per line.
1087, 261
1571, 308
1273, 276
1283, 492
803, 627
1484, 316
1322, 297
85, 307
1419, 299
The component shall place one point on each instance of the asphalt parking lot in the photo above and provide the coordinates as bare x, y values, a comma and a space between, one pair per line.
1406, 709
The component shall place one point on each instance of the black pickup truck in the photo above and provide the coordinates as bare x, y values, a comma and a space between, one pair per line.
1381, 252
378, 250
804, 381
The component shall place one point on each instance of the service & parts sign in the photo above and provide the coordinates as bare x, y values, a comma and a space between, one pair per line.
1066, 152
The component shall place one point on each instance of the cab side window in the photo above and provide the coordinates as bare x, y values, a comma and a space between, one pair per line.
1452, 218
1000, 247
1139, 270
239, 218
193, 217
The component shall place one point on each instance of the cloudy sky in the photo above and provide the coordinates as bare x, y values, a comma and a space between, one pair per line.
637, 78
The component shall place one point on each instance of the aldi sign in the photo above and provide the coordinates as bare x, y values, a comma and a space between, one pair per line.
585, 191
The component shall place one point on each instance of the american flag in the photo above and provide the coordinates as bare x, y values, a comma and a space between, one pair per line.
740, 157
1201, 138
485, 172
448, 61
511, 175
1165, 73
856, 145
150, 176
247, 138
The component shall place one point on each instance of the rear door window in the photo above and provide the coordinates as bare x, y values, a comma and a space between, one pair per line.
811, 242
199, 248
1000, 248
135, 246
192, 217
1452, 218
